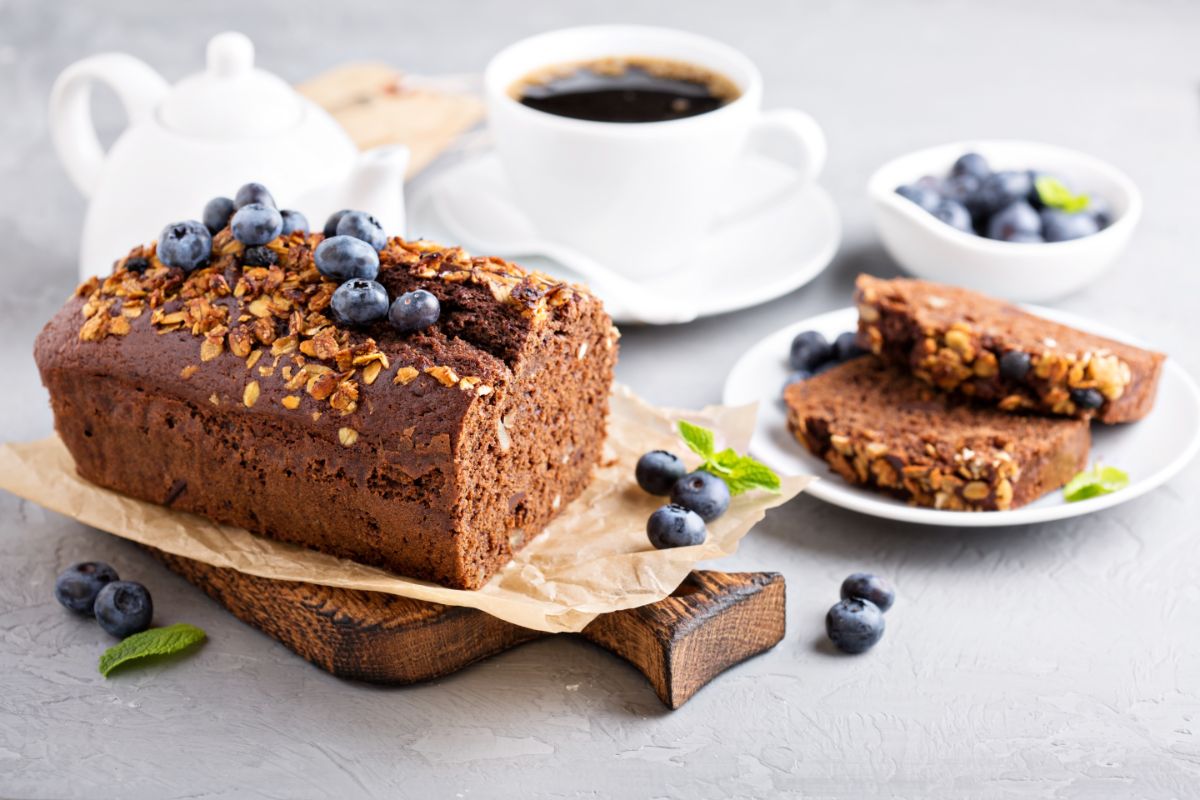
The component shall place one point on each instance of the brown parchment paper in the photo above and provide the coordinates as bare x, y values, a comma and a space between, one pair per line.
593, 558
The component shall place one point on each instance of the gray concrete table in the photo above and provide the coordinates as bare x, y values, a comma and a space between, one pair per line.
1057, 660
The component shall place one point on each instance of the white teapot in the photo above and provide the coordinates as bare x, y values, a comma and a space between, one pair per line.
203, 138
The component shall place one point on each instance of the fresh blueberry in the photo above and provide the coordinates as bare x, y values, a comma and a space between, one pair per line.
259, 257
1087, 399
217, 213
137, 264
809, 350
186, 245
362, 225
1001, 189
77, 586
675, 526
954, 214
961, 188
1015, 219
1101, 210
414, 311
1015, 365
293, 221
854, 625
1059, 226
702, 492
123, 608
846, 347
866, 586
332, 223
359, 301
253, 193
971, 164
924, 196
658, 470
256, 224
344, 257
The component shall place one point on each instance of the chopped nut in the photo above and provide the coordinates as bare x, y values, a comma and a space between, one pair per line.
212, 398
976, 490
444, 375
250, 395
371, 372
188, 371
210, 348
347, 436
291, 401
253, 358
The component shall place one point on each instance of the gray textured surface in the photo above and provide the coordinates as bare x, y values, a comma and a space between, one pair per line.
1053, 661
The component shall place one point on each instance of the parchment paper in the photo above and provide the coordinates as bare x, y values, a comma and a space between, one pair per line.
593, 558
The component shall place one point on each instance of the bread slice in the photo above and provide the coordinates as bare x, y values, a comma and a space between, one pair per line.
955, 340
880, 427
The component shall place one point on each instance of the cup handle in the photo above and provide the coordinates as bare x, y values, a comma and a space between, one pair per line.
788, 136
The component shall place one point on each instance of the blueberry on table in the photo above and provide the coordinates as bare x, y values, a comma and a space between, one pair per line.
124, 608
359, 301
866, 586
293, 221
259, 256
1014, 220
1015, 365
809, 350
658, 470
1059, 226
217, 213
332, 223
253, 193
854, 625
954, 214
77, 586
256, 224
344, 257
675, 526
362, 225
1087, 399
924, 196
702, 492
846, 347
971, 164
1002, 189
186, 245
413, 311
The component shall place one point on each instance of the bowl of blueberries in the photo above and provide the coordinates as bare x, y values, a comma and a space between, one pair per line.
1020, 220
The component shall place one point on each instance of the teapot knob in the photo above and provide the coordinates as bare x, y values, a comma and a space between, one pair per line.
230, 54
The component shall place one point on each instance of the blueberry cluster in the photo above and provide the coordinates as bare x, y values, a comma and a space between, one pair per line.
92, 587
696, 498
811, 354
855, 624
1008, 205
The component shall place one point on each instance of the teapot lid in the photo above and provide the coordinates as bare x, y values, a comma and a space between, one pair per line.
231, 99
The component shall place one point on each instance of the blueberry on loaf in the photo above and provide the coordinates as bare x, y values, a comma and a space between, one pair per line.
227, 386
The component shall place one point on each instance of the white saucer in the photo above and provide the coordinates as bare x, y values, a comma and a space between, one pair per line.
1151, 450
748, 261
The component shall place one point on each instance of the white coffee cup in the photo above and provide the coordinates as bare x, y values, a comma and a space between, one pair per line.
637, 197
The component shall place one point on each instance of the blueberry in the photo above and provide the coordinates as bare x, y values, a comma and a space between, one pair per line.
363, 226
1002, 189
924, 196
256, 224
414, 311
1015, 365
854, 625
259, 257
1059, 226
344, 257
186, 245
846, 347
77, 586
971, 164
675, 526
253, 193
961, 188
137, 264
866, 586
1101, 211
1014, 220
123, 608
217, 213
809, 350
658, 470
293, 221
954, 214
332, 223
359, 301
702, 492
1087, 399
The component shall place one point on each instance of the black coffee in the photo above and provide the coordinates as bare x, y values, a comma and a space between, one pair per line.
625, 90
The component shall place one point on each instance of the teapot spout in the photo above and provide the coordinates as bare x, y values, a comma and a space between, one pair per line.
376, 185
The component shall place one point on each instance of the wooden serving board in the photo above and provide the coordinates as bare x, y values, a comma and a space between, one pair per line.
711, 622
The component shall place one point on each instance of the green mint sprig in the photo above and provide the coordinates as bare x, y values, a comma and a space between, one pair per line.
740, 473
1054, 194
1094, 482
153, 642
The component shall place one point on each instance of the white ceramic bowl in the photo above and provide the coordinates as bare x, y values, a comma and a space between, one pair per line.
929, 248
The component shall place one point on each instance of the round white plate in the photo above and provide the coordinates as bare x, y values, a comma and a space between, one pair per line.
788, 244
1151, 450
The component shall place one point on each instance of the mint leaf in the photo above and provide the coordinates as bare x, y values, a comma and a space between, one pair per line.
750, 474
740, 473
700, 440
1094, 482
1054, 194
154, 642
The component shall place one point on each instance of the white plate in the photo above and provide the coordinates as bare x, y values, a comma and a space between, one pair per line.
789, 243
1151, 450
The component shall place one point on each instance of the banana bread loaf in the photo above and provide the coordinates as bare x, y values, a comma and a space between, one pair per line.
230, 392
